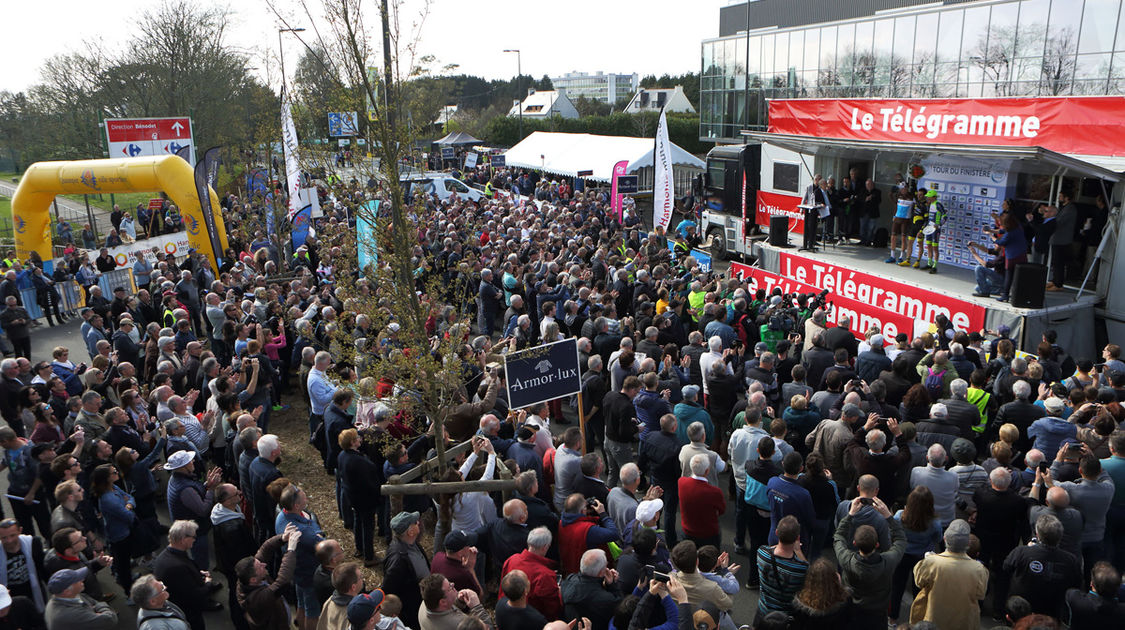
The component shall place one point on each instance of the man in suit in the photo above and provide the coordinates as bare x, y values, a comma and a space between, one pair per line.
870, 199
1062, 239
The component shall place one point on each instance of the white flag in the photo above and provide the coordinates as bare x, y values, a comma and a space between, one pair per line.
292, 166
663, 184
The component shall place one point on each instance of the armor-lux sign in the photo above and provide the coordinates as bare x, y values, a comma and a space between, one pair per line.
543, 373
882, 293
862, 314
1084, 125
774, 205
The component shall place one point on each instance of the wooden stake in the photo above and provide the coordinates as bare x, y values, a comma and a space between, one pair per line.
582, 421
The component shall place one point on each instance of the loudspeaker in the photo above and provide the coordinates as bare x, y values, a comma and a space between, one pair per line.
1029, 282
779, 231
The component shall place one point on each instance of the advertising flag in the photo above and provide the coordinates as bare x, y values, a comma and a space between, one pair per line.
206, 177
365, 234
663, 184
615, 199
292, 166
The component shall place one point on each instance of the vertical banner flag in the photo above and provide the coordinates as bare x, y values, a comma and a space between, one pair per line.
299, 209
365, 234
292, 166
206, 176
614, 198
663, 194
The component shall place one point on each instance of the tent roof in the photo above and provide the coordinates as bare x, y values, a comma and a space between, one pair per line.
568, 153
457, 137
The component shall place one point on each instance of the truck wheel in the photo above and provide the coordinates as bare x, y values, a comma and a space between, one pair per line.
718, 244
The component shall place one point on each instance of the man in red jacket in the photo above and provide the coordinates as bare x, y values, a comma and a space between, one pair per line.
701, 504
543, 594
583, 526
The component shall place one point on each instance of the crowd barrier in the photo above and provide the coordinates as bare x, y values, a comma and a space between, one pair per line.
72, 296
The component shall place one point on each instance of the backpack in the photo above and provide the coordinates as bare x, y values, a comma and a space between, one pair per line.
935, 383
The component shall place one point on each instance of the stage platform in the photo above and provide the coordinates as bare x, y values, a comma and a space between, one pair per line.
1071, 316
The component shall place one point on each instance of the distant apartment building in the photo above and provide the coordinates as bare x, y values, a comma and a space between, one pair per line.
599, 86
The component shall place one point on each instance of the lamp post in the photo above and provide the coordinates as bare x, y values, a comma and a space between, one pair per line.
281, 50
519, 81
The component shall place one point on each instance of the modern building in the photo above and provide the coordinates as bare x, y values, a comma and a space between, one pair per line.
544, 104
904, 48
607, 88
655, 99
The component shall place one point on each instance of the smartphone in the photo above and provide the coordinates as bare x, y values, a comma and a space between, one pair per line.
661, 577
1074, 447
865, 501
1043, 467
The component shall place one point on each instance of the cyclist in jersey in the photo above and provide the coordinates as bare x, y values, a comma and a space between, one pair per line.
937, 218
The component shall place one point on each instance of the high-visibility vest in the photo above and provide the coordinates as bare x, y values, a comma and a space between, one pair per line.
980, 398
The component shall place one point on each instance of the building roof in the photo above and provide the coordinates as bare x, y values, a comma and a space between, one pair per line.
543, 103
568, 153
648, 99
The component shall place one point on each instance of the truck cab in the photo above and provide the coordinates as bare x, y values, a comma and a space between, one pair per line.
730, 184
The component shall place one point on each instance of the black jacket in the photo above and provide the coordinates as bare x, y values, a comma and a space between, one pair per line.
964, 414
869, 364
659, 458
816, 360
336, 421
938, 431
360, 479
501, 540
839, 337
233, 542
184, 582
585, 596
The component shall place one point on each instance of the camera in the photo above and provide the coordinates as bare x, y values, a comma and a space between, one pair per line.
591, 506
865, 501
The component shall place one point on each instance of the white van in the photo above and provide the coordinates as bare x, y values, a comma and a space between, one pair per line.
441, 184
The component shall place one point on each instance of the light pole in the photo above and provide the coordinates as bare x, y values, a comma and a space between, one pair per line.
519, 81
281, 51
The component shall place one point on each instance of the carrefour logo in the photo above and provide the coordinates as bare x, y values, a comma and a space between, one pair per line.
20, 224
192, 225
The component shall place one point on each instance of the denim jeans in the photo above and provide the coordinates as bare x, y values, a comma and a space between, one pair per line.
989, 281
867, 228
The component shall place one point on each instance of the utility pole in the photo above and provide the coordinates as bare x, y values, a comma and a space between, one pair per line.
519, 83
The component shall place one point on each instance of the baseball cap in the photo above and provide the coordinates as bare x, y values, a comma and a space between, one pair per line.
64, 579
457, 540
1004, 329
647, 510
877, 341
364, 606
706, 617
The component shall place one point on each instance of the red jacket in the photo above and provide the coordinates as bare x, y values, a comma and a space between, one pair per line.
544, 593
701, 504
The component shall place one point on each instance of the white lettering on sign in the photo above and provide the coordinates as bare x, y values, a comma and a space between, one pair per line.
904, 120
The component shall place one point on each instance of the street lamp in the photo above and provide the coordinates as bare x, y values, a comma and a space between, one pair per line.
281, 50
519, 77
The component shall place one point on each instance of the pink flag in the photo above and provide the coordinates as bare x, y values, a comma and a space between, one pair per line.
615, 199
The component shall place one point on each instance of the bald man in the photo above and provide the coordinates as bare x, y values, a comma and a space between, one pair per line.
1058, 504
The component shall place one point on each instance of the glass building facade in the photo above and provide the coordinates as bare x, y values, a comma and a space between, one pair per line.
973, 49
605, 87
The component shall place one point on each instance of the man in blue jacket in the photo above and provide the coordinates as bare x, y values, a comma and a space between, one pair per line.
788, 497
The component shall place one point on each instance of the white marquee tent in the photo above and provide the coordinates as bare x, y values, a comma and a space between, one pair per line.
568, 153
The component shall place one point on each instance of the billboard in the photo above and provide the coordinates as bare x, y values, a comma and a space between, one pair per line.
140, 137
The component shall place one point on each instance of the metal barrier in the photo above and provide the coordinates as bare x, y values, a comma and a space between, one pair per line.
110, 280
71, 298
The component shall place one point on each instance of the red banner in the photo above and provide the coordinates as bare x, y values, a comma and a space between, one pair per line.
875, 292
1086, 125
773, 204
862, 314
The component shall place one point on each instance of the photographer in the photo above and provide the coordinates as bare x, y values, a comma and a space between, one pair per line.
584, 525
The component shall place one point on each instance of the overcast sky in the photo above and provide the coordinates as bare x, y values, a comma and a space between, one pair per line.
643, 36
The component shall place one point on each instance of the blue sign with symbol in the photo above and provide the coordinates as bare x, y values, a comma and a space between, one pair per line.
343, 124
174, 148
543, 373
132, 150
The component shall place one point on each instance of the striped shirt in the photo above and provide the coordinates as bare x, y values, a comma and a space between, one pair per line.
780, 579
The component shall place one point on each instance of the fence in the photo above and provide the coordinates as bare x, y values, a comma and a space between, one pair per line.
72, 296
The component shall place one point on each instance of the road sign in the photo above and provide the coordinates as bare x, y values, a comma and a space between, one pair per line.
627, 184
542, 373
138, 137
343, 124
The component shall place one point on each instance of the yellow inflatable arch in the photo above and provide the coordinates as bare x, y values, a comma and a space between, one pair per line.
168, 173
